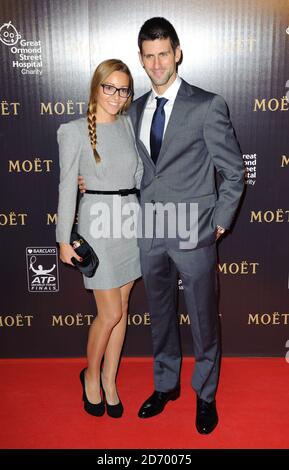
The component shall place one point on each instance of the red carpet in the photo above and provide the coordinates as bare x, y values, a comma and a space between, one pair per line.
41, 407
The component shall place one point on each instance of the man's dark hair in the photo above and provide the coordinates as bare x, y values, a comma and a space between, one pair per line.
158, 28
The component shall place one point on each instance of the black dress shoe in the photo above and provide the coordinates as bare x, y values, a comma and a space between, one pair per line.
207, 416
95, 409
156, 403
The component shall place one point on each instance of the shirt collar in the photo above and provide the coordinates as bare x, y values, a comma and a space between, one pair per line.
171, 93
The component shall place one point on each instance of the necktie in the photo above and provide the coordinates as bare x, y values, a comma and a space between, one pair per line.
157, 128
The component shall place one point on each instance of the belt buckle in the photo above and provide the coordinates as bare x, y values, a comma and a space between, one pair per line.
124, 192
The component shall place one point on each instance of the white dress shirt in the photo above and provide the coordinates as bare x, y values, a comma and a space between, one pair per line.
170, 94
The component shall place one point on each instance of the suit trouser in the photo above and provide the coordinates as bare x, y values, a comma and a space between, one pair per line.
197, 269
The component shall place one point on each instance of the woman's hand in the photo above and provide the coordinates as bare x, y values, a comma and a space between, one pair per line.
67, 252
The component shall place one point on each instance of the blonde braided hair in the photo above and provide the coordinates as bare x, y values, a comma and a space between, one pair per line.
91, 119
101, 73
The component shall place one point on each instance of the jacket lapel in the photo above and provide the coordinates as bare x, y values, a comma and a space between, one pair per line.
176, 118
139, 113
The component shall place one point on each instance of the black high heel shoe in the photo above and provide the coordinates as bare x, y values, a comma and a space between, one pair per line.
114, 411
95, 409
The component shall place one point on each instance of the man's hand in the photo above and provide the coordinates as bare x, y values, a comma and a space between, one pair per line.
219, 231
81, 184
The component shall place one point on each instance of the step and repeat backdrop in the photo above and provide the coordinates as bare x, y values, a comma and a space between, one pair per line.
49, 50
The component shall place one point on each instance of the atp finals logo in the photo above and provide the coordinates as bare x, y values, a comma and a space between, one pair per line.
26, 54
42, 269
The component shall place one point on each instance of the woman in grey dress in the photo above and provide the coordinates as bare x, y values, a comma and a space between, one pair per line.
101, 147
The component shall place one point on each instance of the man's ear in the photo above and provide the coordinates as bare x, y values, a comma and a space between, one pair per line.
178, 54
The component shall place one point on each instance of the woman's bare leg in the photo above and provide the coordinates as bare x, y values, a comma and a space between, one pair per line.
109, 308
114, 348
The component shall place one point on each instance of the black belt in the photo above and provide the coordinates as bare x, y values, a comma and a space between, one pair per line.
120, 192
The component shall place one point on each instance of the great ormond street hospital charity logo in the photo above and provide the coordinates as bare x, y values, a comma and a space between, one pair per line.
9, 34
25, 55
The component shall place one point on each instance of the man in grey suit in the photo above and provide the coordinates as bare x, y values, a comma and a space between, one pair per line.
184, 137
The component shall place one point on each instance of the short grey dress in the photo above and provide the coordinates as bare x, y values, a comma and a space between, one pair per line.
107, 222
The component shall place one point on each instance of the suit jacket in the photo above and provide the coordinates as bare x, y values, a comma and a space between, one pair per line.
198, 143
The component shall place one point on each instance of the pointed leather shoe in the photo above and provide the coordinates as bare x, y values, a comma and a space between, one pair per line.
95, 409
156, 403
207, 416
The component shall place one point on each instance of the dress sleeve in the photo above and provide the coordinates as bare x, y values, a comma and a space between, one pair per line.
69, 142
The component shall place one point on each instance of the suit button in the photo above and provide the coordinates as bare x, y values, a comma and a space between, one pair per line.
157, 177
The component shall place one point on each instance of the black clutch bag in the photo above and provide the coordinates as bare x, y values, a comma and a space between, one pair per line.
90, 261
